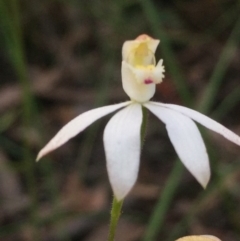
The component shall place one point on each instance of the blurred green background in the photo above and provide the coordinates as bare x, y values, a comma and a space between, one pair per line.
60, 58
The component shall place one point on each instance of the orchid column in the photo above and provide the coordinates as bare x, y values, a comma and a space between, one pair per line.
139, 78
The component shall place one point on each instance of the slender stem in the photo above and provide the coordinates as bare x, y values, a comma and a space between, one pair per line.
144, 124
115, 214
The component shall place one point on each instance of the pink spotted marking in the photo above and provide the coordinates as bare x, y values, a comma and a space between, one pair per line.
148, 81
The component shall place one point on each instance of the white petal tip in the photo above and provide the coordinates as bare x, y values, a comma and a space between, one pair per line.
120, 195
204, 182
122, 191
44, 152
40, 155
204, 185
122, 188
119, 199
38, 158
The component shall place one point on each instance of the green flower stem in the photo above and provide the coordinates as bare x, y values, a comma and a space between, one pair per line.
144, 124
115, 214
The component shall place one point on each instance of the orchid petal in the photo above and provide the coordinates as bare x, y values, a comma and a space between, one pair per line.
205, 121
122, 147
186, 140
199, 238
77, 125
212, 238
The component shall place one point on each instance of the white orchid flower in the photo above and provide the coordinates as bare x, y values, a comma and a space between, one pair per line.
122, 143
199, 238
